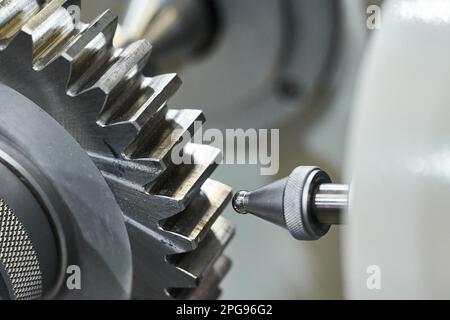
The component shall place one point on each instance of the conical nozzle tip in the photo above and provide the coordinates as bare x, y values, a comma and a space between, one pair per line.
240, 201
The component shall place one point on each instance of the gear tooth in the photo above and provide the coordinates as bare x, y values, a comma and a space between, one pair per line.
142, 107
130, 62
51, 30
156, 141
94, 48
209, 287
123, 79
180, 182
14, 14
189, 182
153, 94
188, 228
198, 263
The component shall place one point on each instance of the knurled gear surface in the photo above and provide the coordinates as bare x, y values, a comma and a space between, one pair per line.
18, 256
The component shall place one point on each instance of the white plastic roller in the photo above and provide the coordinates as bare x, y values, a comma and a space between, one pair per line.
397, 242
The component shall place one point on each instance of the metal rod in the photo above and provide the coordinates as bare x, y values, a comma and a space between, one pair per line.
330, 203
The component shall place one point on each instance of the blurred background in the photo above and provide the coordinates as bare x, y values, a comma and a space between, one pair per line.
283, 64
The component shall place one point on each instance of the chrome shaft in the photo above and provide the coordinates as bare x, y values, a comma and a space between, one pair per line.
330, 203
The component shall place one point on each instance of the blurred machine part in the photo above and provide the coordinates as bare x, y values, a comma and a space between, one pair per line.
263, 56
180, 30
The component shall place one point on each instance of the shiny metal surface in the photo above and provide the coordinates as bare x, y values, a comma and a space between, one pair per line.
297, 203
120, 117
306, 203
330, 202
240, 201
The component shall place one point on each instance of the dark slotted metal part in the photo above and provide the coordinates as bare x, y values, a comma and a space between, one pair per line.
18, 257
64, 206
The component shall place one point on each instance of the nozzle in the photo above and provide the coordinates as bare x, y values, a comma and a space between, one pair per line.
306, 203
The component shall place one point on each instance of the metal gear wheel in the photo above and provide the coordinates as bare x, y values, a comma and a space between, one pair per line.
100, 95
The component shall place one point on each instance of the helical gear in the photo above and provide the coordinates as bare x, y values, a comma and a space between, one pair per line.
100, 95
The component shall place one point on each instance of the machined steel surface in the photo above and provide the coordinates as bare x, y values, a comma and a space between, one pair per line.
306, 203
300, 220
100, 95
330, 203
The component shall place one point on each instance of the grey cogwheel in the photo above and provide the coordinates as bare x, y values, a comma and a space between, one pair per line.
100, 95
